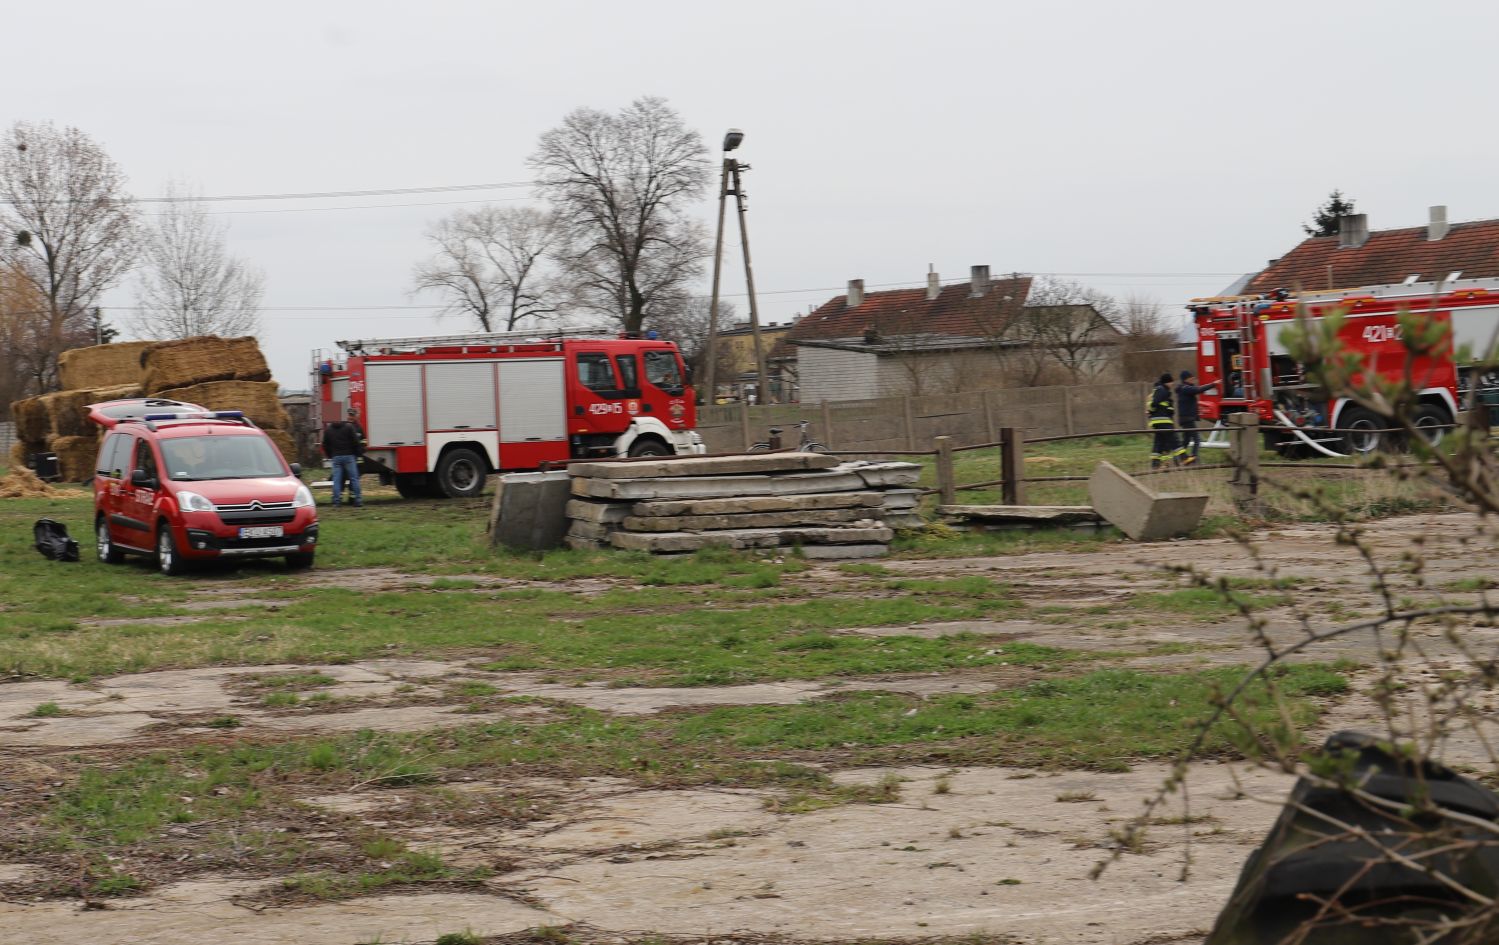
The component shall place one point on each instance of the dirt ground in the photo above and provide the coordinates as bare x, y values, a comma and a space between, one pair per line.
1000, 852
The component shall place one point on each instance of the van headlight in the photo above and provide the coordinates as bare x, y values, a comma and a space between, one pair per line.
303, 498
192, 502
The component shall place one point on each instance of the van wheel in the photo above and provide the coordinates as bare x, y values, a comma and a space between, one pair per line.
167, 558
460, 474
300, 561
108, 553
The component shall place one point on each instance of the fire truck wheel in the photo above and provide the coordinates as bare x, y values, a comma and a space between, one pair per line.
1363, 428
650, 446
460, 473
1432, 422
412, 485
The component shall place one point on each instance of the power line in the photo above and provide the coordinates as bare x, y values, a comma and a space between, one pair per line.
315, 195
365, 206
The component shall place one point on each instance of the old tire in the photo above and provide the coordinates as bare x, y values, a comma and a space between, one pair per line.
650, 446
460, 474
168, 561
108, 553
1363, 426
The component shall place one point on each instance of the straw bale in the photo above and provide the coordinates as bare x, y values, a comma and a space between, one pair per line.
66, 413
31, 418
18, 451
102, 365
75, 456
258, 399
22, 483
170, 365
284, 443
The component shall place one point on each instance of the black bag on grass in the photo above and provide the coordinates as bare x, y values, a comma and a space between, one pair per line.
53, 542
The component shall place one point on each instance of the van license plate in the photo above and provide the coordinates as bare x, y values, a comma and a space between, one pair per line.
261, 531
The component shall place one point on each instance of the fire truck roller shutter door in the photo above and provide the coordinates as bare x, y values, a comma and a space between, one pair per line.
533, 401
393, 398
460, 395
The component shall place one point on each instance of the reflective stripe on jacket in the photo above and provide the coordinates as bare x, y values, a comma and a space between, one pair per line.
1160, 407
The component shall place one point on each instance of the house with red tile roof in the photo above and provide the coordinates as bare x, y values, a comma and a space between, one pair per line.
969, 335
1358, 258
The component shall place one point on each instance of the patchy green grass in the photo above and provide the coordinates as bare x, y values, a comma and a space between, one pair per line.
1204, 602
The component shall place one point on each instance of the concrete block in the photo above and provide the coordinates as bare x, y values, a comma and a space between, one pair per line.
530, 510
748, 538
1139, 512
582, 510
901, 518
843, 552
748, 464
598, 531
886, 475
698, 523
585, 544
902, 498
1022, 514
769, 503
719, 487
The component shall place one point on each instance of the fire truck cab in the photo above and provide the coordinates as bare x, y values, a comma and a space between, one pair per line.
440, 414
1241, 345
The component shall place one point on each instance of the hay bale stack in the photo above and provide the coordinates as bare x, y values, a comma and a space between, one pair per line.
31, 419
171, 365
284, 443
22, 483
18, 451
102, 365
66, 413
75, 457
258, 399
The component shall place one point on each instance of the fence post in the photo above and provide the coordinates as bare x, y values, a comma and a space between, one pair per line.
827, 426
744, 425
990, 426
910, 422
1012, 465
1067, 409
1244, 453
947, 483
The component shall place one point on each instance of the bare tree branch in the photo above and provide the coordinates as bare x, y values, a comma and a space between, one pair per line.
490, 265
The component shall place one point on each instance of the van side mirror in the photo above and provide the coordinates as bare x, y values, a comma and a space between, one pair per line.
296, 469
140, 477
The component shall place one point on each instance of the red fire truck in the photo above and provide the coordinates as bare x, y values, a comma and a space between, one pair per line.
1240, 344
442, 413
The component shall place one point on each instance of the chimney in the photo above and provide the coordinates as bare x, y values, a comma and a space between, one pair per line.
1437, 228
933, 283
1353, 230
855, 293
979, 280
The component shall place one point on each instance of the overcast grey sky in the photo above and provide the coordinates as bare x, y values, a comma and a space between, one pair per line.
1137, 143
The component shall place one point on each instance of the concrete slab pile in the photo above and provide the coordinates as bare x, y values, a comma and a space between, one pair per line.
772, 500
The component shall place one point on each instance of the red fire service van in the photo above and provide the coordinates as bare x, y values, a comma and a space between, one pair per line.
440, 414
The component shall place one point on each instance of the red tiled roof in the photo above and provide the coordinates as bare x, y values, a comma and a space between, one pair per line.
909, 311
1389, 256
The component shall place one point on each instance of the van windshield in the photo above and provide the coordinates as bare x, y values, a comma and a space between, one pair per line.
195, 458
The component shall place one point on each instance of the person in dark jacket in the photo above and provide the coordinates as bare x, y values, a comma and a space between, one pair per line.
1160, 410
1187, 414
343, 443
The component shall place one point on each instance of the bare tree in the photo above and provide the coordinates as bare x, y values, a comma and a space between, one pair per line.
69, 230
621, 186
1148, 345
24, 353
191, 285
490, 266
1068, 323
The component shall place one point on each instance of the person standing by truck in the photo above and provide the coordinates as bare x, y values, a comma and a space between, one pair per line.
1160, 410
1187, 414
343, 444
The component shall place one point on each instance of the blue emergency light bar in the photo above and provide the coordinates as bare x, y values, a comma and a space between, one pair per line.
195, 415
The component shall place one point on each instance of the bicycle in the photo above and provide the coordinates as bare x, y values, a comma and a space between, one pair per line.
807, 444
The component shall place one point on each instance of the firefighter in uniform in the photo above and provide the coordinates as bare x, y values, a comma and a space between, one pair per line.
1160, 409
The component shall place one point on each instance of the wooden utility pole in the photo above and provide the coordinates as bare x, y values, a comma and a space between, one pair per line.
1244, 453
711, 371
749, 282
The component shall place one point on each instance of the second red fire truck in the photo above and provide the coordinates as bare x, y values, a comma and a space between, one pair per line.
1241, 344
442, 413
